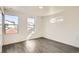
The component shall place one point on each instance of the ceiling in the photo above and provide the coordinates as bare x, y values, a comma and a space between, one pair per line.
35, 10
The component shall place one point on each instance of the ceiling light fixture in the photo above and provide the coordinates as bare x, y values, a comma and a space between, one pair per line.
41, 7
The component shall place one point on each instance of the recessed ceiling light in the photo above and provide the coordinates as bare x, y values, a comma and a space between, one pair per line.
41, 7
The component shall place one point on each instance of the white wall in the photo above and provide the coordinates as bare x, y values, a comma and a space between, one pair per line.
67, 31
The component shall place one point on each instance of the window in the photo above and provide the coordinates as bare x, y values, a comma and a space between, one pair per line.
11, 24
30, 23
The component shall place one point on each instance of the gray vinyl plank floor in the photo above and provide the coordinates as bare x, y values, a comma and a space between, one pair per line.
40, 45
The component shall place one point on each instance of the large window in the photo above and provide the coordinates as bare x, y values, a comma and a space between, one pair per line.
31, 23
11, 24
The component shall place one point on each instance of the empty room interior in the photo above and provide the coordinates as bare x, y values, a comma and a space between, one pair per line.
39, 29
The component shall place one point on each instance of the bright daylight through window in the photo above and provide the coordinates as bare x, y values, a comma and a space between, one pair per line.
11, 24
31, 23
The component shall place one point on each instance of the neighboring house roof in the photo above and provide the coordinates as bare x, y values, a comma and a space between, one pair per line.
9, 22
11, 31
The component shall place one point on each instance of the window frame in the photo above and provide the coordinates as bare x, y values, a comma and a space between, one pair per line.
34, 23
17, 29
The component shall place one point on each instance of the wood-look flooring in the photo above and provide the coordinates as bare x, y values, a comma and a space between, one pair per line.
40, 45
